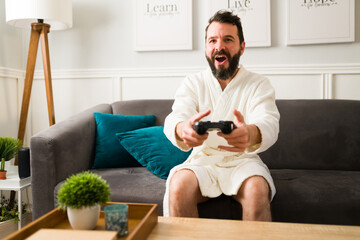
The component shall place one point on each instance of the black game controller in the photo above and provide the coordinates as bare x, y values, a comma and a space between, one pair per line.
226, 127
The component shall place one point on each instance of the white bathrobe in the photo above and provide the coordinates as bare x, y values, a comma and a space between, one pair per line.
220, 171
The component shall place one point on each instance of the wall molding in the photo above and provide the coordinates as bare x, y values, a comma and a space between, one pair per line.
119, 72
327, 83
306, 69
282, 69
11, 73
279, 69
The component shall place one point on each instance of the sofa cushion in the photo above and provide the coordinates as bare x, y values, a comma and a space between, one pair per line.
135, 185
150, 147
303, 196
312, 196
108, 151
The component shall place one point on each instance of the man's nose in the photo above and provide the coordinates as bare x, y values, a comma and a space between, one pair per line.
219, 46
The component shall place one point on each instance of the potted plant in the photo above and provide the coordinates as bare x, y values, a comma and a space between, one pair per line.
8, 212
10, 216
9, 148
81, 195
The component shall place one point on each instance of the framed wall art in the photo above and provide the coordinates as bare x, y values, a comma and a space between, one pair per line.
320, 21
163, 25
255, 19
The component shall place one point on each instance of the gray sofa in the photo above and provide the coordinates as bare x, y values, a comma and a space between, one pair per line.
315, 162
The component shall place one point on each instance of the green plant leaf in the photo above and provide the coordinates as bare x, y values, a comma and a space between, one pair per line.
8, 213
9, 148
83, 189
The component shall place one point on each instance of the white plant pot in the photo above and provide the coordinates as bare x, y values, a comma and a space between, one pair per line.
84, 218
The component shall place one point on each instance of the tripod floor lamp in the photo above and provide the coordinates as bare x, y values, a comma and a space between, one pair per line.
39, 16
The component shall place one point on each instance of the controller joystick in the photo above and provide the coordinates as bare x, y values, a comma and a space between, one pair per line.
225, 127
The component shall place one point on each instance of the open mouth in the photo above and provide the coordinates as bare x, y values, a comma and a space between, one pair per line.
220, 58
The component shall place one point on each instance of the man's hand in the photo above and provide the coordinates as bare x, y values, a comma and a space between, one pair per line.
187, 134
242, 136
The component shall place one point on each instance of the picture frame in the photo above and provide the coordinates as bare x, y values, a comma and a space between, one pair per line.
255, 18
162, 25
321, 21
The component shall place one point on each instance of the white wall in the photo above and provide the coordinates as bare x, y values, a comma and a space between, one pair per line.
102, 37
11, 43
94, 62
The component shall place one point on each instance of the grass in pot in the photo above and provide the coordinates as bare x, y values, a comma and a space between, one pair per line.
81, 196
9, 148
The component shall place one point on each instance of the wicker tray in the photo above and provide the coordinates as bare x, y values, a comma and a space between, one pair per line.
142, 220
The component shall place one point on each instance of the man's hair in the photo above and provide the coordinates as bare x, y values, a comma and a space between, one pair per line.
223, 16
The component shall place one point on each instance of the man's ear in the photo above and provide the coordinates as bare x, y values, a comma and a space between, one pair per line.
242, 47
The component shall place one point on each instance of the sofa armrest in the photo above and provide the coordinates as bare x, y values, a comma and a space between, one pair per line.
59, 151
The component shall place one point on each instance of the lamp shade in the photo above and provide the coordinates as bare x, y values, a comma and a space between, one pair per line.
57, 13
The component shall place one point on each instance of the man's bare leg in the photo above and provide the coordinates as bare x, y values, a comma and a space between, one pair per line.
254, 196
184, 194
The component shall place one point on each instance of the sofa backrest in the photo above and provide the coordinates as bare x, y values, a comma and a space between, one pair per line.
314, 134
317, 134
158, 107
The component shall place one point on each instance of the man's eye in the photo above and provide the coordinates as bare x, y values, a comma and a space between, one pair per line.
212, 41
228, 40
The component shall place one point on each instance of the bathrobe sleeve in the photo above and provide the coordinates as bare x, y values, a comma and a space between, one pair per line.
263, 112
184, 107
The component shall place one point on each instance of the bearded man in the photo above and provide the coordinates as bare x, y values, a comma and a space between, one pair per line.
223, 163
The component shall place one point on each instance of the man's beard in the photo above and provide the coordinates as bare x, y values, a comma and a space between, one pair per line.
224, 73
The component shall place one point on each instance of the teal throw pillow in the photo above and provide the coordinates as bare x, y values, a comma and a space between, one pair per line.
108, 152
153, 150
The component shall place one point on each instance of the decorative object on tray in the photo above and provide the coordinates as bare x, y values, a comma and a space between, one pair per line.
9, 148
81, 195
116, 218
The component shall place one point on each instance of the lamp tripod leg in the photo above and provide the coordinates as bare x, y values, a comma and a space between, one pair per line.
47, 73
33, 47
37, 30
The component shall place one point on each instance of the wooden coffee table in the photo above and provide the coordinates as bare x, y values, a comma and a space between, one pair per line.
145, 224
197, 229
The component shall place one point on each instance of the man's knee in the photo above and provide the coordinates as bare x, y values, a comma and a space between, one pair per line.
183, 183
255, 189
254, 196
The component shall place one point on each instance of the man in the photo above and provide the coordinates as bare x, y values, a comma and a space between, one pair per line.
223, 163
